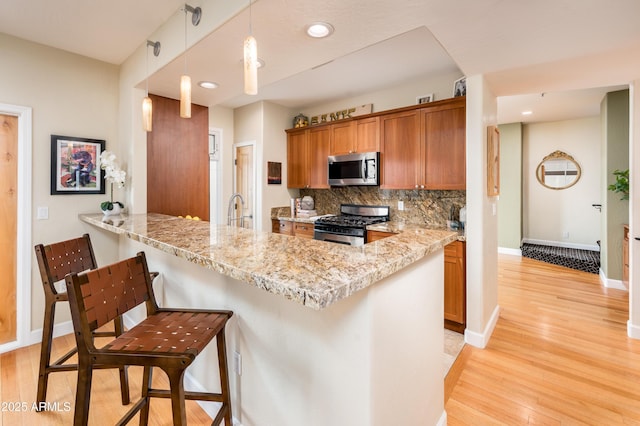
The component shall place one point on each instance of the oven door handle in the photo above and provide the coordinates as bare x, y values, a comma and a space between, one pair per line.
335, 238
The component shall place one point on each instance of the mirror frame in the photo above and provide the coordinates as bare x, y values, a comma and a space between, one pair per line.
559, 155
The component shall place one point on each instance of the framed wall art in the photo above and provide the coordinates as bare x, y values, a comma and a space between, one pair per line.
75, 165
460, 87
424, 99
493, 161
274, 173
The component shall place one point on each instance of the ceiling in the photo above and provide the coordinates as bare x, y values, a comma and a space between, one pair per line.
572, 51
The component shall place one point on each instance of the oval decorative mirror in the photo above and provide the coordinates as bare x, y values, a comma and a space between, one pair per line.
558, 170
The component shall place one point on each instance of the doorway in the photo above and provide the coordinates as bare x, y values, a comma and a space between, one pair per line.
15, 226
244, 178
8, 227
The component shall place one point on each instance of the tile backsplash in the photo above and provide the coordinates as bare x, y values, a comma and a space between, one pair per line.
422, 207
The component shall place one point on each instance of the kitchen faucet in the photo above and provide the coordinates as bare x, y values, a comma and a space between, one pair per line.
230, 209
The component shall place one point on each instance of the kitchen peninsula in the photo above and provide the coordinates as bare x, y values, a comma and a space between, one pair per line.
327, 334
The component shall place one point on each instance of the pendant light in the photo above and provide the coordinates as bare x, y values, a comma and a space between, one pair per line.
185, 80
250, 61
147, 107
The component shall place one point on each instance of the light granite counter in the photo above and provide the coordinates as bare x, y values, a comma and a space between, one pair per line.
372, 341
313, 273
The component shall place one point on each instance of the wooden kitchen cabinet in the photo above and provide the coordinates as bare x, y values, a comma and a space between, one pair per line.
358, 135
282, 227
443, 133
377, 235
625, 256
303, 230
425, 148
307, 152
455, 300
400, 150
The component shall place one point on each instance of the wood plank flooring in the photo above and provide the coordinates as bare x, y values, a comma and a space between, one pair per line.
18, 383
559, 354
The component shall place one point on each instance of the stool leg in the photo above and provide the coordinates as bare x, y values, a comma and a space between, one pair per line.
124, 378
45, 350
147, 376
177, 396
83, 393
224, 377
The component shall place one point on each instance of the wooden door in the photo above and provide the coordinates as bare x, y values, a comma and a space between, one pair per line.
343, 137
297, 171
317, 157
8, 225
368, 134
245, 185
178, 160
444, 141
400, 150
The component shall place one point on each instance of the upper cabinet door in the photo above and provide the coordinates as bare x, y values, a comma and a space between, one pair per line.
400, 150
443, 132
343, 138
368, 134
297, 171
317, 159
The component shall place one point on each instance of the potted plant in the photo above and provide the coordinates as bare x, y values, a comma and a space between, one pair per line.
622, 183
113, 175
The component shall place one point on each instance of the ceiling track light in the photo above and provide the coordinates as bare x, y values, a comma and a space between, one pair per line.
185, 80
147, 106
250, 61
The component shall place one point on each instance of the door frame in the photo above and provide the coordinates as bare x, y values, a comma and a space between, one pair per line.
25, 219
257, 190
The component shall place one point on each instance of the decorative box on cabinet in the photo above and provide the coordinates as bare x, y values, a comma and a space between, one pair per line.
455, 298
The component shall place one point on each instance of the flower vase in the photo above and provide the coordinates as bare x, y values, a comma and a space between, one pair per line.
115, 210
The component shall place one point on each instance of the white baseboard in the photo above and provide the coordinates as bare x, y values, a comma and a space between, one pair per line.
592, 247
609, 283
633, 331
60, 329
443, 419
508, 250
480, 340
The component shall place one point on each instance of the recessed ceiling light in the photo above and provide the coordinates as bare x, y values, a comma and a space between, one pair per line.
319, 30
208, 84
527, 112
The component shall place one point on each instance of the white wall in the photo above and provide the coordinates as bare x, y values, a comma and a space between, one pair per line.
563, 217
633, 325
391, 97
73, 96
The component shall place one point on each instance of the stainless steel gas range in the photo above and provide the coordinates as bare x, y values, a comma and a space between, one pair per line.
350, 227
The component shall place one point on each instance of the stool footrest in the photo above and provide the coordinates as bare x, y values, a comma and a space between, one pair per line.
64, 358
198, 396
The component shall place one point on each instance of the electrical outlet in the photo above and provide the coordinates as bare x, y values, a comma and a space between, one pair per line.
400, 205
237, 362
565, 234
43, 213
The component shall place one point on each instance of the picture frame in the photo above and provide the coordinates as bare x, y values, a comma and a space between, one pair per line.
274, 173
493, 161
460, 87
424, 99
75, 165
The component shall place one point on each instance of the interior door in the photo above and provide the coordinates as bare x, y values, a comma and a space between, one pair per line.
245, 184
8, 226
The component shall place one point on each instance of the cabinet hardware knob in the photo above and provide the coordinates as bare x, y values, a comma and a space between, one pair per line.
421, 186
416, 186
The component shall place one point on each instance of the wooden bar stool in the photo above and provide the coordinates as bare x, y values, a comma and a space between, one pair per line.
55, 261
168, 338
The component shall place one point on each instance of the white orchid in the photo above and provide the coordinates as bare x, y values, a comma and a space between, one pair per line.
113, 174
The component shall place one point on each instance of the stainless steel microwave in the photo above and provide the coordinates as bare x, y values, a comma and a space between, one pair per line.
354, 169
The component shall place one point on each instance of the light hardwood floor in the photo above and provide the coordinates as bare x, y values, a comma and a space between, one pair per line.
559, 354
18, 383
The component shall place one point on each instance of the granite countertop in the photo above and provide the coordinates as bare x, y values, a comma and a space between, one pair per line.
312, 273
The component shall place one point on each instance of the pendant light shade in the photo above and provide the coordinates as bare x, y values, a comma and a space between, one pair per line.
185, 96
250, 66
185, 80
147, 106
147, 114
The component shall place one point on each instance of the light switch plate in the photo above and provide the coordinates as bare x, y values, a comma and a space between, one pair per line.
400, 205
43, 213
